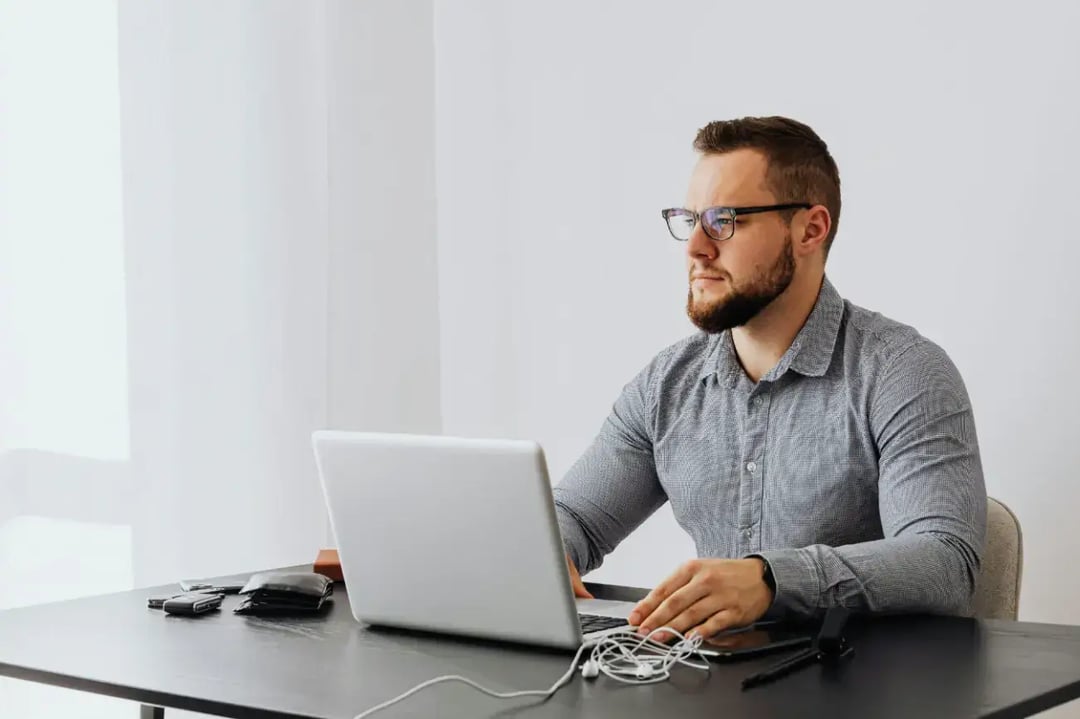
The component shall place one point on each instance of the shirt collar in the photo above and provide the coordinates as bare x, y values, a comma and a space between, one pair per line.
810, 353
721, 360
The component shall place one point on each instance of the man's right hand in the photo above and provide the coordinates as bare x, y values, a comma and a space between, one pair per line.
575, 581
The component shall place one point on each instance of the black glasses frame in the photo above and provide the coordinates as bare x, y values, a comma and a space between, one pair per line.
733, 211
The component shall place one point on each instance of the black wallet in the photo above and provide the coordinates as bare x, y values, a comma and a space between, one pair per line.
285, 593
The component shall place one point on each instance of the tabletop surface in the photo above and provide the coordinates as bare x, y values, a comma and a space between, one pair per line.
331, 667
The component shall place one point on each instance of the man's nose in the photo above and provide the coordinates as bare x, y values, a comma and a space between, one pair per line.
700, 244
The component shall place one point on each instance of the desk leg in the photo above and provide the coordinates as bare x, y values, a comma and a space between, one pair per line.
149, 712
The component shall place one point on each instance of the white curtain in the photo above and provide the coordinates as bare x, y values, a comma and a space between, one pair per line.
163, 301
225, 218
66, 502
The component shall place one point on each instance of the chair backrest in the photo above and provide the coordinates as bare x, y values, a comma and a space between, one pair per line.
997, 590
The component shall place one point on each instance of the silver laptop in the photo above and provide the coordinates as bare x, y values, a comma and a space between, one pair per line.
454, 535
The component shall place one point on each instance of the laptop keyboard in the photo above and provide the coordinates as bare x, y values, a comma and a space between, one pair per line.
593, 623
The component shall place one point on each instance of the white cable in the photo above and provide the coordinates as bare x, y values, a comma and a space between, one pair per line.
498, 695
624, 656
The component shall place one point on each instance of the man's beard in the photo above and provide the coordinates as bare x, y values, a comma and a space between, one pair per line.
744, 303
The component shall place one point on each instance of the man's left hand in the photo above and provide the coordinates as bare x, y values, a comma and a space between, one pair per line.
706, 596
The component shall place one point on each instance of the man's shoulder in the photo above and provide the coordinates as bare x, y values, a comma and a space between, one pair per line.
687, 356
684, 359
872, 337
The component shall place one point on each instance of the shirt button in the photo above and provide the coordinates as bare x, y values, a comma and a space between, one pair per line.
757, 401
748, 533
751, 466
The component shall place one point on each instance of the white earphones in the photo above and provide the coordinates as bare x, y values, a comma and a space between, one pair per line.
644, 671
633, 659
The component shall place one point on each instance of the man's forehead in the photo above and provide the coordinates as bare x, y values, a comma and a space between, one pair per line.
731, 178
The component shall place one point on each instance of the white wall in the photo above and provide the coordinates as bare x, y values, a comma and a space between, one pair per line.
383, 318
564, 127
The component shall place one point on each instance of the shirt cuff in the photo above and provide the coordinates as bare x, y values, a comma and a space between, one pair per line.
798, 588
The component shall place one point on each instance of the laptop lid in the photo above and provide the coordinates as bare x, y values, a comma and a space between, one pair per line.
448, 534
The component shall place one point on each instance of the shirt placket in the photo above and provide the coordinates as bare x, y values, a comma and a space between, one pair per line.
752, 471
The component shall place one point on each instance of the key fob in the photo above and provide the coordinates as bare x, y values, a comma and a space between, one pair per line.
192, 604
159, 602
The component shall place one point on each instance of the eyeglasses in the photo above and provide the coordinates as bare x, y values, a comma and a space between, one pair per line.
718, 222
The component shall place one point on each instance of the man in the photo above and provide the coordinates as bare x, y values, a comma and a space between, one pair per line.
818, 453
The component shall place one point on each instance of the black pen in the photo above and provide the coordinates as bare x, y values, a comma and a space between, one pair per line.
781, 668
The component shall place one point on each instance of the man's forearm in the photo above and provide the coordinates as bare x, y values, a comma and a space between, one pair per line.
586, 549
929, 572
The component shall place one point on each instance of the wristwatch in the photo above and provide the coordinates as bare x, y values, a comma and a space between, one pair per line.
767, 576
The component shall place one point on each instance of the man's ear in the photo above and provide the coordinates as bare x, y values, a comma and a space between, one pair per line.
816, 223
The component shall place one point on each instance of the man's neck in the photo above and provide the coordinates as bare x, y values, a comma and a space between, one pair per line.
761, 343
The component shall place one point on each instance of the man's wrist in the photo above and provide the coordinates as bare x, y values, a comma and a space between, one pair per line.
767, 577
799, 586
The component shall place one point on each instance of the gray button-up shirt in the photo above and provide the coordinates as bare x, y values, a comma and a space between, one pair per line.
852, 466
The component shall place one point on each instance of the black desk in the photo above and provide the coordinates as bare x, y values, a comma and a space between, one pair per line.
332, 668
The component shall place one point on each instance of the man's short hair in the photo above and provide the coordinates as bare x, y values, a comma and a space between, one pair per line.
800, 168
